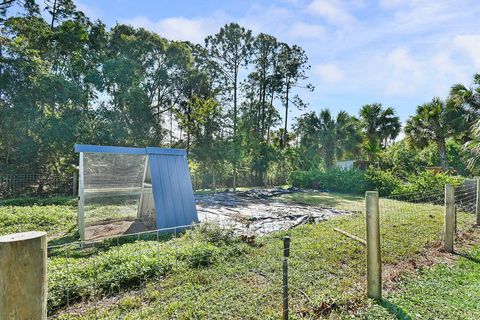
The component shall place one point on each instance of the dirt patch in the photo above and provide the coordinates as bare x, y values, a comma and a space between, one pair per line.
108, 229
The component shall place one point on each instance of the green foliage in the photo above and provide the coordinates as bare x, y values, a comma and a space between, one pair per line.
334, 180
110, 268
385, 182
404, 160
428, 182
199, 255
379, 125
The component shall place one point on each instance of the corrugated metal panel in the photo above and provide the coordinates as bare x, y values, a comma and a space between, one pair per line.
172, 191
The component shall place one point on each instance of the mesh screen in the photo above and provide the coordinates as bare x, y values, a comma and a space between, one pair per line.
112, 189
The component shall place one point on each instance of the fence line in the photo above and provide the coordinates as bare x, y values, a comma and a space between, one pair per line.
37, 185
213, 274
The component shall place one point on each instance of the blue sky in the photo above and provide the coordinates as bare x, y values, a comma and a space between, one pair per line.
398, 52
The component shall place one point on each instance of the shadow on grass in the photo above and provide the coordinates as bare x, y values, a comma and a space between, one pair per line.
468, 256
394, 310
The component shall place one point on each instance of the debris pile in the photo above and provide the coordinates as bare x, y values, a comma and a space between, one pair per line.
257, 212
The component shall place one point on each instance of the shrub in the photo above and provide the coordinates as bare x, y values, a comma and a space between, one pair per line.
199, 255
385, 182
334, 179
306, 179
428, 182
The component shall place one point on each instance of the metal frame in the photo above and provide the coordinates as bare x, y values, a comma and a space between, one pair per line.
145, 170
147, 151
81, 201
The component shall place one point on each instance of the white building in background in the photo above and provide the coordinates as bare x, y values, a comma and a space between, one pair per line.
345, 165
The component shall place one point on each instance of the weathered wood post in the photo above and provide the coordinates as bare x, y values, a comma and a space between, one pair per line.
23, 276
374, 259
286, 254
477, 204
449, 217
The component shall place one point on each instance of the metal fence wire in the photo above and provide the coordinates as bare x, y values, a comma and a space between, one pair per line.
36, 185
211, 271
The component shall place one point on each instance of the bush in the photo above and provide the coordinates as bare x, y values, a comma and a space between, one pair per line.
334, 179
428, 182
199, 255
385, 182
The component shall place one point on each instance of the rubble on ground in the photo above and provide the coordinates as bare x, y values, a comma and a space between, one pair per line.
258, 211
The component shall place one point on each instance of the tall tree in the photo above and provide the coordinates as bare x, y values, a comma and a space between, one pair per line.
332, 136
432, 123
466, 100
293, 64
230, 50
380, 125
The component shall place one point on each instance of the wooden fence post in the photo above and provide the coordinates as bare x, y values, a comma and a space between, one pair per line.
477, 204
449, 217
374, 259
23, 276
286, 254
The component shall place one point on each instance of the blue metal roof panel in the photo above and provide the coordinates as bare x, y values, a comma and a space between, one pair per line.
129, 150
172, 191
109, 149
166, 151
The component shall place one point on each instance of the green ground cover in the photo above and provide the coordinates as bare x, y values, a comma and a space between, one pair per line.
206, 273
445, 291
196, 275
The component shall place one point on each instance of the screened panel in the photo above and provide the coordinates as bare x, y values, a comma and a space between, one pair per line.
112, 190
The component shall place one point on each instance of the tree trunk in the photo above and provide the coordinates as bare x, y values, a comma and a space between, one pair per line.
235, 80
54, 13
442, 150
284, 138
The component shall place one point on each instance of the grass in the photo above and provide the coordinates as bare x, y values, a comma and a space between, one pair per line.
336, 200
56, 220
198, 276
445, 291
206, 273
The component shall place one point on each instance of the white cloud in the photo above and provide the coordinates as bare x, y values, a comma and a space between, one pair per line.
179, 28
305, 30
329, 73
90, 11
470, 45
401, 60
332, 11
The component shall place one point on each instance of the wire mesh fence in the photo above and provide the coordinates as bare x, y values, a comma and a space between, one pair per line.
36, 185
210, 270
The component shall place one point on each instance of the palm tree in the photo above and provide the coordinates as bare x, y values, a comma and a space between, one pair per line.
467, 102
380, 126
332, 137
432, 123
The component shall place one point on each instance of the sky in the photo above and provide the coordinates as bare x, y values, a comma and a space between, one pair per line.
401, 53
